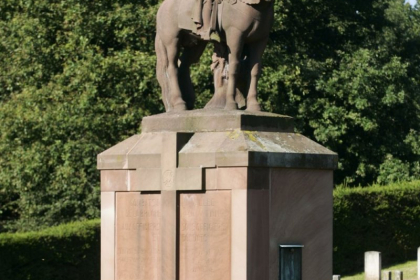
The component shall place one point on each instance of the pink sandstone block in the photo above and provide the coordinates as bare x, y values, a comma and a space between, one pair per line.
108, 236
205, 237
114, 180
137, 236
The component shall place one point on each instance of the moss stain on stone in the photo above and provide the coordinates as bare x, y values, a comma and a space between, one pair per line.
254, 139
234, 134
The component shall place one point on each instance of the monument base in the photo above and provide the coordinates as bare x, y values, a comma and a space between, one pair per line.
227, 195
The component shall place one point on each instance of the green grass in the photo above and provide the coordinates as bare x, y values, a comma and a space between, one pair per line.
409, 270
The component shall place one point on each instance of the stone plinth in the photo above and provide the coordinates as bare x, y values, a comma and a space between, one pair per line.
387, 275
204, 195
399, 275
418, 263
373, 265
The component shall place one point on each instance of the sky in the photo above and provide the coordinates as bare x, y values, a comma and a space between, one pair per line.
412, 2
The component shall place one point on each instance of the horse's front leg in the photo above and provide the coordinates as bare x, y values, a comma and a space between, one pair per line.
235, 44
256, 51
172, 49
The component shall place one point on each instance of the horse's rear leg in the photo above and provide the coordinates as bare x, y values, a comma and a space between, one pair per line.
256, 50
235, 45
190, 55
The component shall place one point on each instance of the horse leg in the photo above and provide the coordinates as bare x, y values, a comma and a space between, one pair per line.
172, 50
256, 50
189, 56
161, 66
235, 45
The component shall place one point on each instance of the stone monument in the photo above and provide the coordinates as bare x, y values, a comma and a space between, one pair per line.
216, 194
373, 265
418, 263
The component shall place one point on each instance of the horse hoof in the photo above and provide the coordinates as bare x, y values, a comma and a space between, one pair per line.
180, 107
231, 106
253, 107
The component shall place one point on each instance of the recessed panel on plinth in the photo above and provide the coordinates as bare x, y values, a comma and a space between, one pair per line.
205, 236
137, 236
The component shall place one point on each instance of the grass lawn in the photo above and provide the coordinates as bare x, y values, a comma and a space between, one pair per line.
409, 270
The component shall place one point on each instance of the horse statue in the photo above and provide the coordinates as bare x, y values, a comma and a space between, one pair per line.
243, 27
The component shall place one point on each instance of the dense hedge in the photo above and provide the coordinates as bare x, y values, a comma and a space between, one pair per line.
385, 219
68, 251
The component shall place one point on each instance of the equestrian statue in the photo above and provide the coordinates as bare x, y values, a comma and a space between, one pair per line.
239, 30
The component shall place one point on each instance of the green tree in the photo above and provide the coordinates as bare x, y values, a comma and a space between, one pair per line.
348, 71
76, 77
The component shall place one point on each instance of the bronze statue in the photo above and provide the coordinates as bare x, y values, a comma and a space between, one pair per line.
239, 30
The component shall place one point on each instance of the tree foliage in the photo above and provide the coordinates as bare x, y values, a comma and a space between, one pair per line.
76, 77
348, 72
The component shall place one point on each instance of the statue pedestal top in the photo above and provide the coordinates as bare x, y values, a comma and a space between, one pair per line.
217, 120
210, 138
